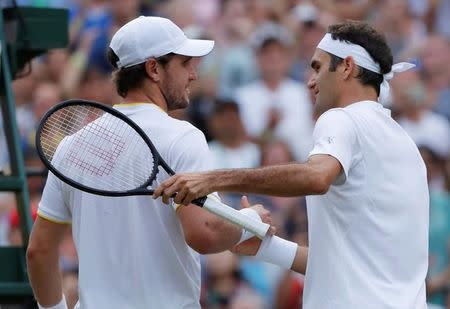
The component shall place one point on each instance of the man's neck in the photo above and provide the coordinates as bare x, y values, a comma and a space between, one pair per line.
142, 96
357, 94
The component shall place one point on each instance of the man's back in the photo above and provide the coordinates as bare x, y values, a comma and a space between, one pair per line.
368, 233
132, 250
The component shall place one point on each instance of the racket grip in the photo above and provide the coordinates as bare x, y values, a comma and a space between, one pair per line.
228, 213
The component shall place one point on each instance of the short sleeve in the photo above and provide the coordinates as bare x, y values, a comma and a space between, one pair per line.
335, 135
190, 153
52, 205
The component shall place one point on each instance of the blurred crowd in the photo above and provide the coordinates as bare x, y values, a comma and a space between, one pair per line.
253, 105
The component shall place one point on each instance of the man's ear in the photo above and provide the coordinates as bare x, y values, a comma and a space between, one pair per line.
349, 67
153, 70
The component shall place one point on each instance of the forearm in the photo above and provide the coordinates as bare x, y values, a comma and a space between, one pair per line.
45, 278
300, 260
224, 235
281, 180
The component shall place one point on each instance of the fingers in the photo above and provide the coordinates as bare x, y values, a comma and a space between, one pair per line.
160, 191
272, 230
244, 202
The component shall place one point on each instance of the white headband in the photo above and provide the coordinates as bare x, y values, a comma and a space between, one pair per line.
363, 59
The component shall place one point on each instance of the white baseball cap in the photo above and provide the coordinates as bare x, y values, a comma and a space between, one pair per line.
148, 36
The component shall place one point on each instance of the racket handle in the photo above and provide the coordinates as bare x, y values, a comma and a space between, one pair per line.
228, 213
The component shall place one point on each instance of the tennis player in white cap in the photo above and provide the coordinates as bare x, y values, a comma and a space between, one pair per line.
135, 252
365, 182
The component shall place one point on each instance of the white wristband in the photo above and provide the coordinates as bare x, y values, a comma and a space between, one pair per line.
61, 305
246, 235
278, 251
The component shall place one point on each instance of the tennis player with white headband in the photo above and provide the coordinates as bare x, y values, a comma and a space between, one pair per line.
362, 58
365, 183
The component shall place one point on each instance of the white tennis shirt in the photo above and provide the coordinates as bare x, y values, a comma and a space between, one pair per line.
368, 235
132, 251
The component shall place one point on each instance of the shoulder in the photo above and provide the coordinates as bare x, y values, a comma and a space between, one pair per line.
336, 121
181, 129
335, 116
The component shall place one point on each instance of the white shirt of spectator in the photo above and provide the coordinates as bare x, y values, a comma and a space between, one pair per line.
431, 130
132, 251
247, 155
291, 100
368, 234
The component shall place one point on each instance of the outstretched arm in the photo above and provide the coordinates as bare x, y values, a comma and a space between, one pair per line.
295, 179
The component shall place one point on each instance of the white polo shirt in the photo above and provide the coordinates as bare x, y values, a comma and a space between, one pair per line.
368, 235
132, 251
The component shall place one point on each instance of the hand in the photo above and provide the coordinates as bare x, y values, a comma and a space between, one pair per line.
186, 187
265, 214
251, 246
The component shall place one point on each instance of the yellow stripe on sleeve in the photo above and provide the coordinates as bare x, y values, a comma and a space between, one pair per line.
52, 220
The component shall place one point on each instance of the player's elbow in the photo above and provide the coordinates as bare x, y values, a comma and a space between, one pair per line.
200, 242
35, 253
38, 252
320, 185
206, 238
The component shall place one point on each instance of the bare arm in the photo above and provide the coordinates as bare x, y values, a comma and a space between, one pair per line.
301, 260
43, 261
296, 179
207, 233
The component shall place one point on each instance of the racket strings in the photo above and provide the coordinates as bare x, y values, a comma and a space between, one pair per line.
96, 149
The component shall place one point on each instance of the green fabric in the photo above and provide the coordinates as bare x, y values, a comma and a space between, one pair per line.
439, 236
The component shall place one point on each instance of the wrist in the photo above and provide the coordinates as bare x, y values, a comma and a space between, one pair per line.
277, 251
61, 305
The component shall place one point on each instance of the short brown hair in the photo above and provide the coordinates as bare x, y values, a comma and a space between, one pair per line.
131, 77
361, 33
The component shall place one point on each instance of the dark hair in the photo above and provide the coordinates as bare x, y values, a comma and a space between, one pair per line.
132, 77
224, 105
361, 33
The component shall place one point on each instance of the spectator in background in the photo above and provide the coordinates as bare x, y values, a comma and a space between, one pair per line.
402, 29
24, 88
309, 32
423, 125
230, 146
346, 9
435, 59
237, 65
435, 14
14, 234
275, 105
225, 286
438, 278
47, 94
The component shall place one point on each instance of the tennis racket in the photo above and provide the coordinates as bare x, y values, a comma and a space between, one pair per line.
99, 150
